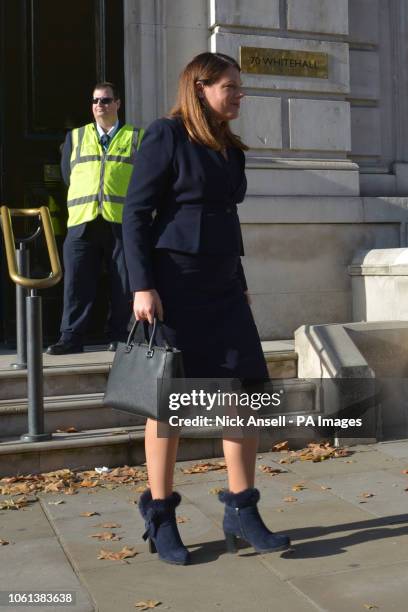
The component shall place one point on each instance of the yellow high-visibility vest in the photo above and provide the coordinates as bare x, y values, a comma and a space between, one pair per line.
57, 221
99, 180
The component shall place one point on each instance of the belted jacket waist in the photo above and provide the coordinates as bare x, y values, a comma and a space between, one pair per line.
198, 228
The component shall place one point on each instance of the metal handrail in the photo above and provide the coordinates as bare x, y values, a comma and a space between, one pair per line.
9, 241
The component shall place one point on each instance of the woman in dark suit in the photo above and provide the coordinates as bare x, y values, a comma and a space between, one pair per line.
184, 267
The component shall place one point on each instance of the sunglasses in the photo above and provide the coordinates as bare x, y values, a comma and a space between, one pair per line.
102, 100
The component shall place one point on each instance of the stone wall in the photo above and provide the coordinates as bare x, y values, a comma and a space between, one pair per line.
317, 144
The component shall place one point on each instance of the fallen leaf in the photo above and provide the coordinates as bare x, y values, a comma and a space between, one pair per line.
182, 519
201, 468
279, 510
105, 536
110, 555
286, 460
56, 503
14, 504
216, 490
325, 488
370, 606
366, 494
109, 525
89, 483
55, 487
67, 430
267, 469
87, 514
147, 605
141, 488
290, 499
298, 487
4, 542
70, 491
280, 446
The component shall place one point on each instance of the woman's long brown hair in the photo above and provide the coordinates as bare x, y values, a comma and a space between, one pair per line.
195, 113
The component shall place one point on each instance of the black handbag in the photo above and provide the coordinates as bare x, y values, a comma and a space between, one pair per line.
138, 380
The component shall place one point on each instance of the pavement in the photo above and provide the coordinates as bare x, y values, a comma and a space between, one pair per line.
348, 525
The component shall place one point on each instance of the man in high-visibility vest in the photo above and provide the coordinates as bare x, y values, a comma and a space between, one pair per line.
97, 162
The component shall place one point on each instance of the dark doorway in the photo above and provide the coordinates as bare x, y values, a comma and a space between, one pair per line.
52, 54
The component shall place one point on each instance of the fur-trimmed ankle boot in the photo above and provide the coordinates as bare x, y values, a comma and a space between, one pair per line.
242, 520
161, 528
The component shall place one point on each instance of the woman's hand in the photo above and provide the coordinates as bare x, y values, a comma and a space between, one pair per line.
146, 305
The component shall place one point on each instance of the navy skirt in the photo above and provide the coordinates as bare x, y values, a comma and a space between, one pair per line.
207, 316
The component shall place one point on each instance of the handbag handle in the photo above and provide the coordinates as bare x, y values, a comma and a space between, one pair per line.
151, 341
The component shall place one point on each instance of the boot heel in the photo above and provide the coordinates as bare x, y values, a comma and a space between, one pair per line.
152, 546
231, 542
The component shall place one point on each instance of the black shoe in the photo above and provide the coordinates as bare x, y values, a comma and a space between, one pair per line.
112, 346
64, 348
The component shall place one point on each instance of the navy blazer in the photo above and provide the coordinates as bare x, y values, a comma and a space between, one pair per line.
192, 189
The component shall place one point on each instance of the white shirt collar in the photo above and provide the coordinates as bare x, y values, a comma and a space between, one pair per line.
111, 132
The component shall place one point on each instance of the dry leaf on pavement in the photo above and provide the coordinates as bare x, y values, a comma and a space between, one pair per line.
4, 542
182, 519
88, 514
67, 430
110, 555
369, 606
290, 498
105, 536
267, 469
366, 494
147, 605
201, 468
89, 483
298, 487
216, 490
109, 525
280, 446
14, 504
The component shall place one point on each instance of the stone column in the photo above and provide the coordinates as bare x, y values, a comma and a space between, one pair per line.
160, 38
399, 37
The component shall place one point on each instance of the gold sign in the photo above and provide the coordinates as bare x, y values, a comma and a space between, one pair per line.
258, 60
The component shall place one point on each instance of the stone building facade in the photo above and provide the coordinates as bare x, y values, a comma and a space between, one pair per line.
328, 165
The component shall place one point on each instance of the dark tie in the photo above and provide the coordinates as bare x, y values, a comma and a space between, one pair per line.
105, 139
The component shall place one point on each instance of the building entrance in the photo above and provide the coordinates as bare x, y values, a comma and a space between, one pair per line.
51, 56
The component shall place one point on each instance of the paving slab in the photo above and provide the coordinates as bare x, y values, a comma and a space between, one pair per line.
217, 582
35, 561
340, 546
362, 459
382, 493
75, 531
394, 449
382, 588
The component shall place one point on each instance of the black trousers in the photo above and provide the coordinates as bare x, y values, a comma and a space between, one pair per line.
86, 247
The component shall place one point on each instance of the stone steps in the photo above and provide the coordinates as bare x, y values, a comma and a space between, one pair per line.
81, 411
73, 390
87, 372
113, 446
